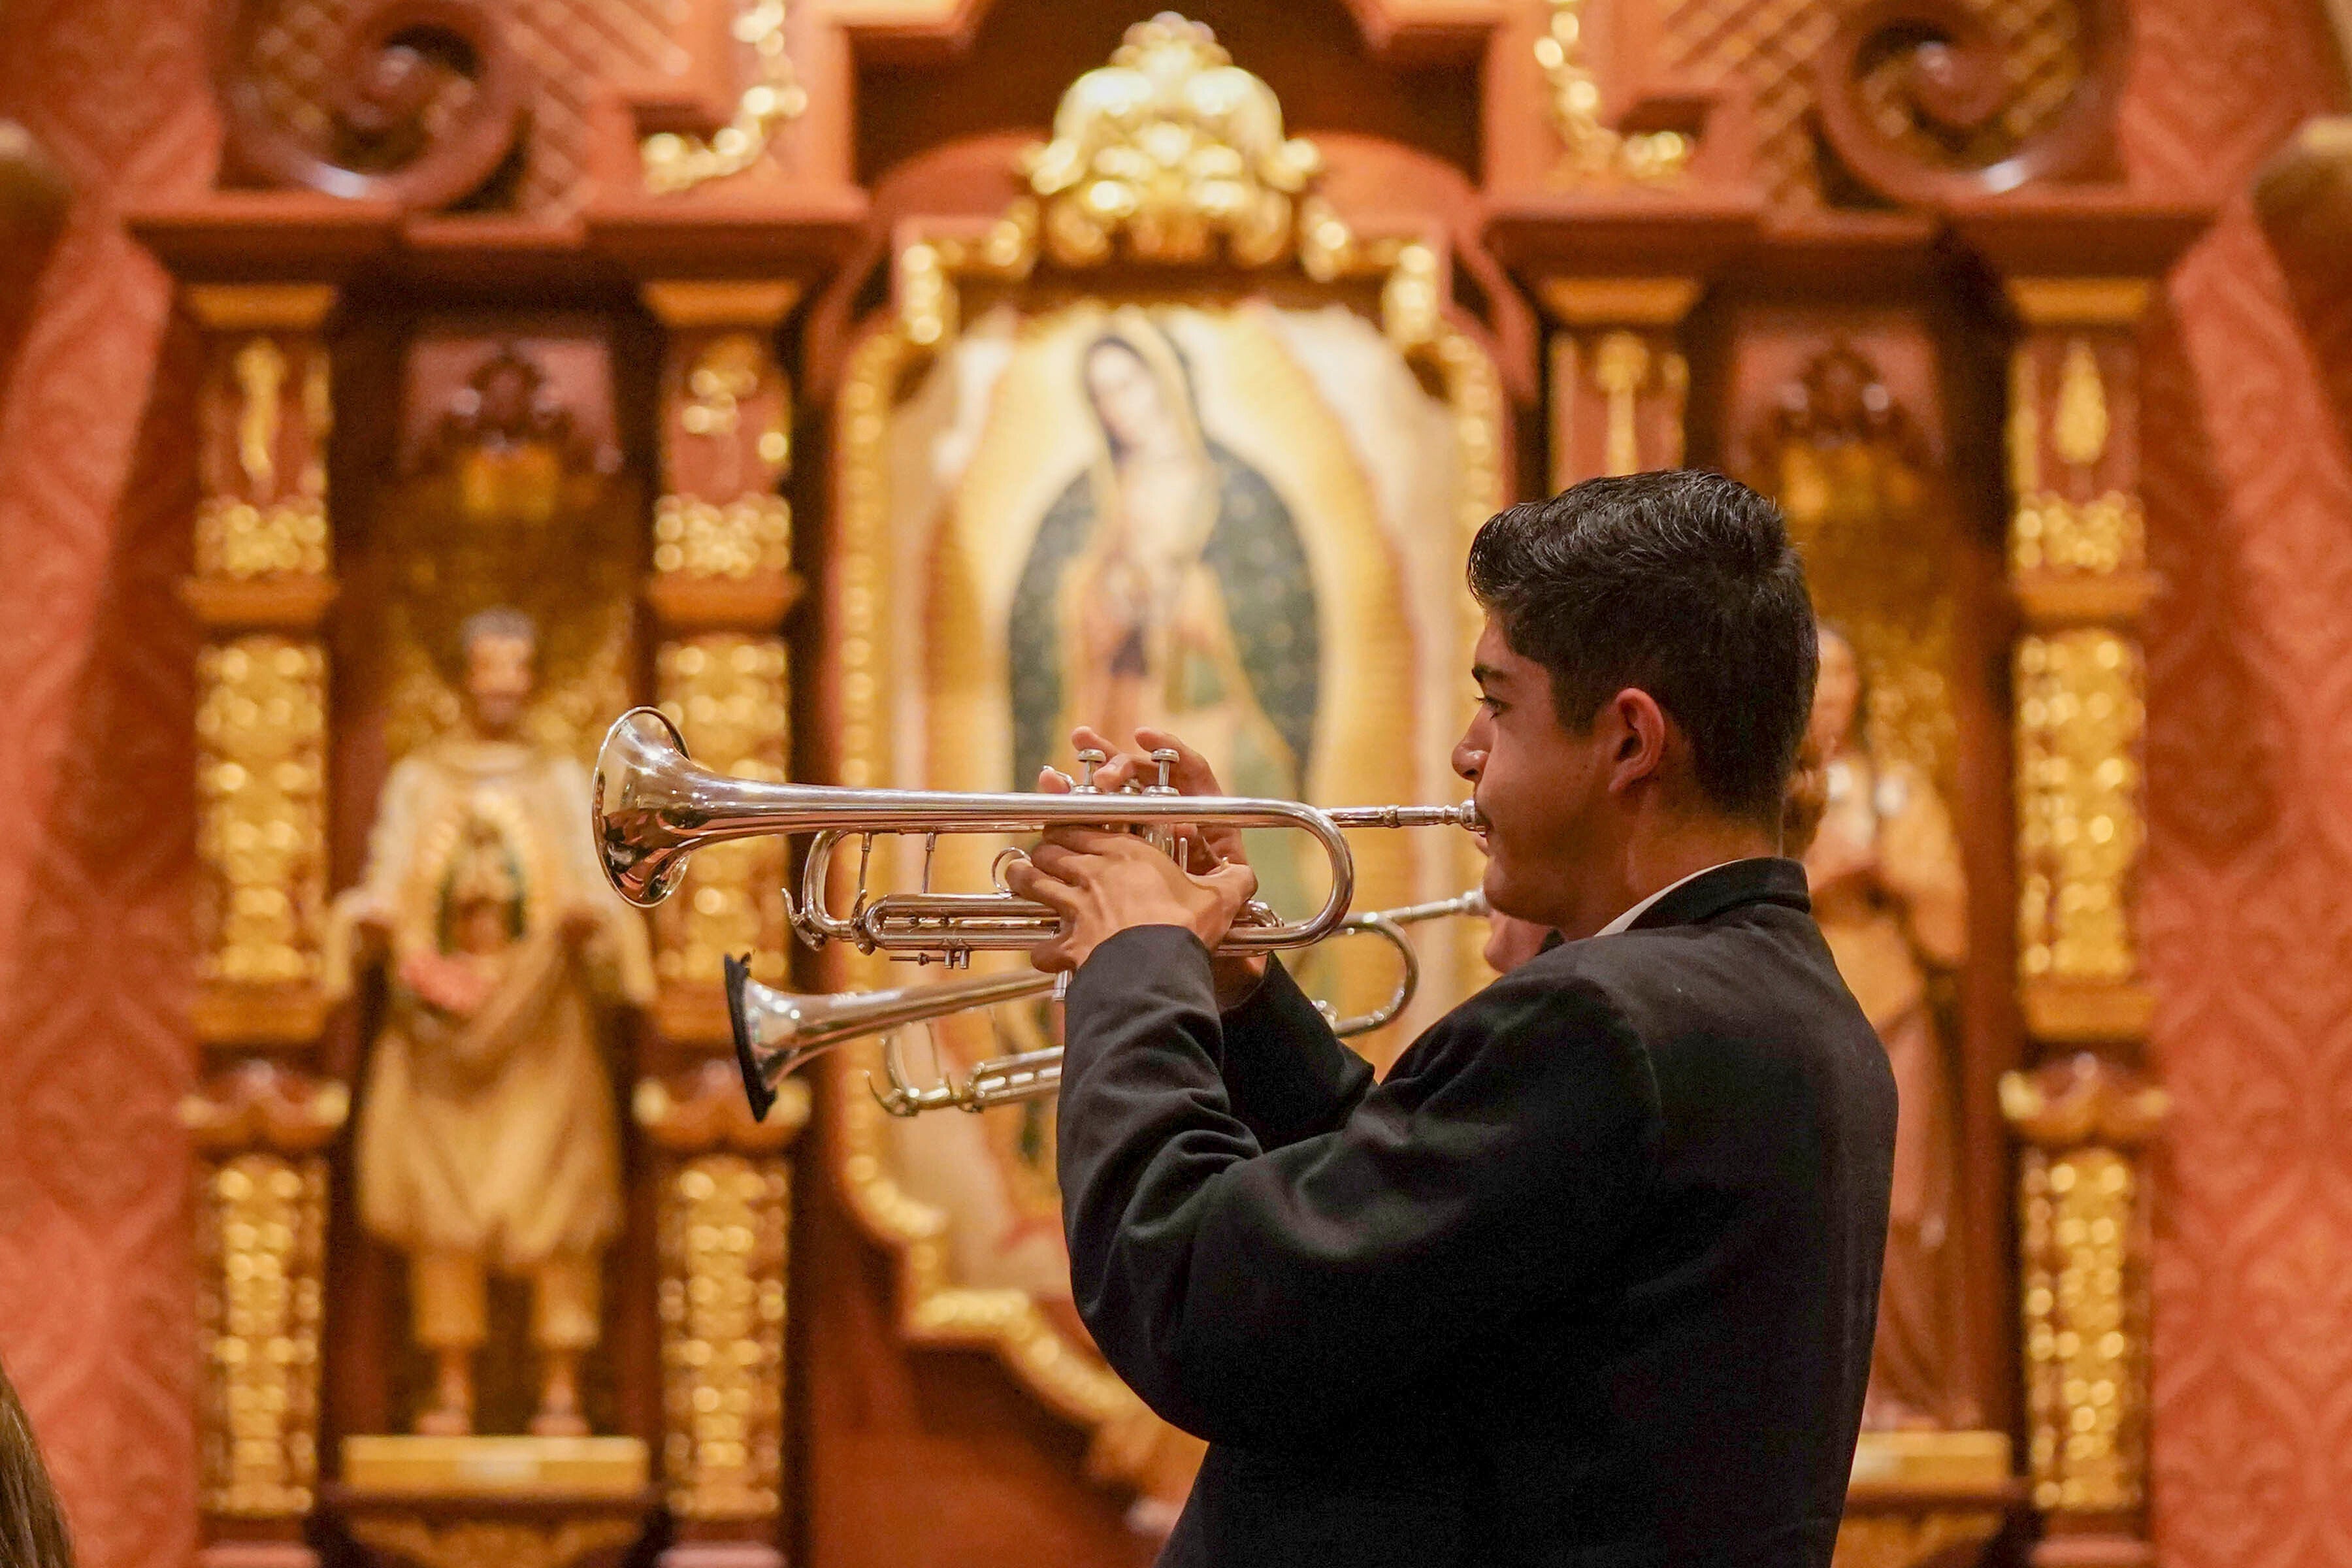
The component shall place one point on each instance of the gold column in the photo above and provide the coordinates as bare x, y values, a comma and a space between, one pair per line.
721, 585
260, 1121
720, 588
2078, 570
725, 1218
1619, 382
260, 1132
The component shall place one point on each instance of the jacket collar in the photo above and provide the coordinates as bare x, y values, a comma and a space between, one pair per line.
1764, 879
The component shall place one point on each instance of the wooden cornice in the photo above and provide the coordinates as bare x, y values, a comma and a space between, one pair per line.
934, 32
2078, 231
1621, 234
798, 236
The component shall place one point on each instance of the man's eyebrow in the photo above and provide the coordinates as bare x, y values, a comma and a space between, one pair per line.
1488, 674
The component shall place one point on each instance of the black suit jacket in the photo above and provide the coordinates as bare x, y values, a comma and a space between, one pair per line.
1589, 1277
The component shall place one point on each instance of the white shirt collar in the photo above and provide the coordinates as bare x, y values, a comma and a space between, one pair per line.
1625, 920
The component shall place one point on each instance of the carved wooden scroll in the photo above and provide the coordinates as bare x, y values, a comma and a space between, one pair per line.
423, 102
1916, 99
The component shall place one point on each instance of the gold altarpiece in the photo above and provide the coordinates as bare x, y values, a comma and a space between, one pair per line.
969, 437
1640, 234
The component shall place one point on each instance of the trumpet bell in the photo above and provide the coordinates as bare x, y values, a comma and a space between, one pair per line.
776, 1031
756, 1086
639, 794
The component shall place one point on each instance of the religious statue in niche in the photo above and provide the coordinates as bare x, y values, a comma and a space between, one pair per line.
1863, 496
514, 493
1891, 901
488, 1141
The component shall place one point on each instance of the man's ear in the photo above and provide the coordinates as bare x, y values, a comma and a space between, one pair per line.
1637, 739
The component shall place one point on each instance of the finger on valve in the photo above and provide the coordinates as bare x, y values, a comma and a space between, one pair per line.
1027, 881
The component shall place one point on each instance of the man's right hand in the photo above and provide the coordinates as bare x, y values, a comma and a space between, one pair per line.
1205, 846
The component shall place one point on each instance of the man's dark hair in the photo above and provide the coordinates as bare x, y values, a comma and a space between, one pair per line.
1681, 583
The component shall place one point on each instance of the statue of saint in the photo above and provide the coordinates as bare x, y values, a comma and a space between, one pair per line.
1891, 901
488, 1141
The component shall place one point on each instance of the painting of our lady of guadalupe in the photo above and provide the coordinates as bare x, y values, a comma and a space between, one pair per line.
1167, 586
1215, 520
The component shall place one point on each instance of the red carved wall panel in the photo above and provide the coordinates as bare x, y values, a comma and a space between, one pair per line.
97, 486
2249, 921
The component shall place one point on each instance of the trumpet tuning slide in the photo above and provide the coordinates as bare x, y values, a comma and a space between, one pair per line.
739, 975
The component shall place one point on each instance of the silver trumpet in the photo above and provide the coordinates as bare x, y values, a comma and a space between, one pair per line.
778, 1031
654, 807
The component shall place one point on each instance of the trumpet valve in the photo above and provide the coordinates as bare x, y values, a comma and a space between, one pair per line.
1090, 762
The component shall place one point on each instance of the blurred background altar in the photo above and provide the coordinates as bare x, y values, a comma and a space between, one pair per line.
392, 391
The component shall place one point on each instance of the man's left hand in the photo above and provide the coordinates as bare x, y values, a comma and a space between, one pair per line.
1102, 883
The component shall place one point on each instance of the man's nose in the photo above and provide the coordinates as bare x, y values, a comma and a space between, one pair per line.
1469, 760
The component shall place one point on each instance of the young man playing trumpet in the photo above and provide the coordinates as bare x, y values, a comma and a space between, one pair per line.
1590, 1278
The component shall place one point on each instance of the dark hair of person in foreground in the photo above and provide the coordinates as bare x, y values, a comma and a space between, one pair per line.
32, 1526
1682, 582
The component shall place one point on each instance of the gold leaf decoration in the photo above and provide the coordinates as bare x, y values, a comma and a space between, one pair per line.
1172, 146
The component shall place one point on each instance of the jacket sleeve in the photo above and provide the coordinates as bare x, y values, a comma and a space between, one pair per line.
1287, 1074
1260, 1296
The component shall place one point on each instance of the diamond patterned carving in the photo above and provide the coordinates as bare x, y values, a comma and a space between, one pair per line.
2246, 918
1766, 43
571, 47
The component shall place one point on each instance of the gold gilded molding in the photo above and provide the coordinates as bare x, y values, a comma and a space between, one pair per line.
2086, 1330
1408, 267
685, 302
1909, 1540
478, 1465
258, 307
2024, 425
1068, 1375
724, 1224
728, 694
2083, 1099
2097, 1012
1625, 367
259, 368
1591, 152
738, 538
236, 539
2079, 719
1618, 302
259, 1105
493, 1544
674, 163
1621, 363
1171, 147
261, 1248
261, 791
272, 524
925, 271
2080, 427
2079, 301
2106, 535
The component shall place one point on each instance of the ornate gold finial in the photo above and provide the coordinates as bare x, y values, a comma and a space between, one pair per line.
2081, 431
1591, 153
1621, 363
1170, 144
675, 162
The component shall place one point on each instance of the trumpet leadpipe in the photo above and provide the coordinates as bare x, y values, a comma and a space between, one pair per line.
653, 806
